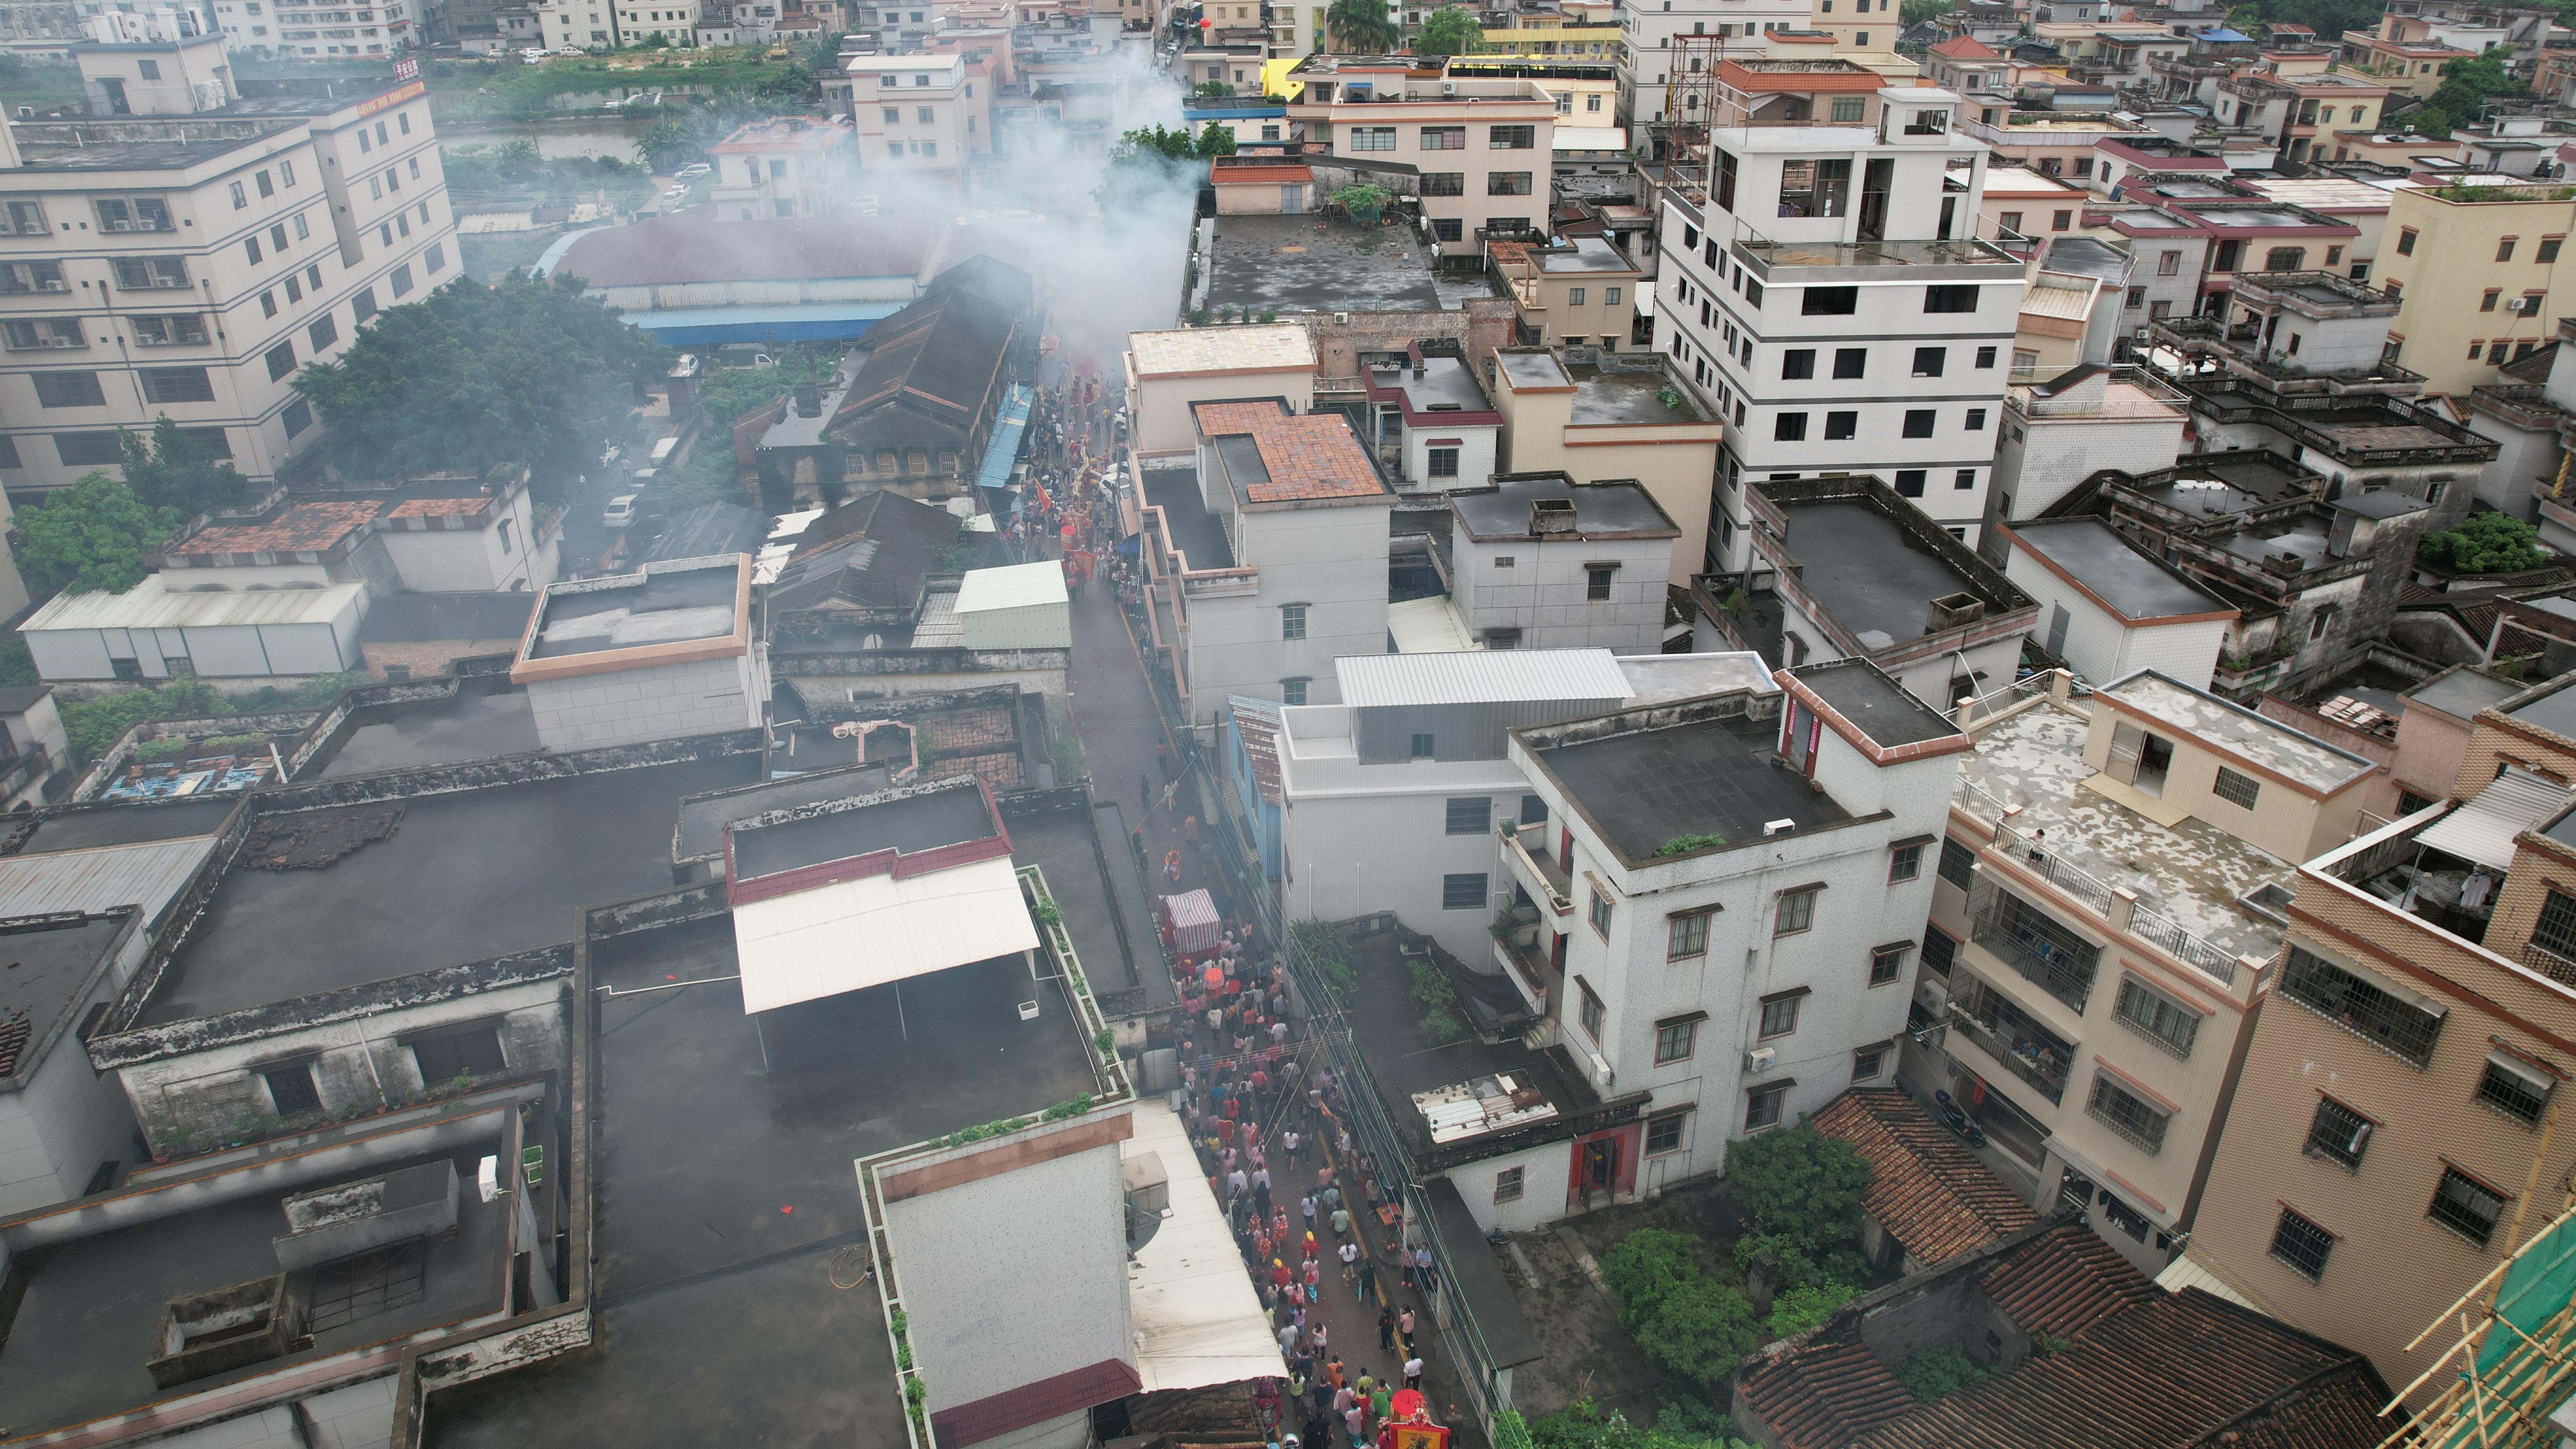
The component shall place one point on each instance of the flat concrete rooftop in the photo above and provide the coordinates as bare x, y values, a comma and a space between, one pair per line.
2554, 711
2209, 484
1197, 533
477, 724
2462, 692
1886, 711
138, 823
1316, 264
1622, 395
1649, 787
2103, 562
1502, 509
44, 971
77, 1348
910, 824
661, 608
699, 834
468, 875
1865, 569
725, 1187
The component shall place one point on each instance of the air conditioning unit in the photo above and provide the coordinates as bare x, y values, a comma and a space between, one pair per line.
2523, 305
1341, 319
1759, 1060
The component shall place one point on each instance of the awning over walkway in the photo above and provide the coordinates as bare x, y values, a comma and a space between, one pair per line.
878, 928
1198, 1321
1004, 450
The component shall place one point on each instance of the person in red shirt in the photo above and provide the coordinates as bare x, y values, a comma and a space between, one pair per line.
1279, 1273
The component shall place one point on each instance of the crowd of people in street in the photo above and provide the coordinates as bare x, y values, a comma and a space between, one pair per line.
1273, 1135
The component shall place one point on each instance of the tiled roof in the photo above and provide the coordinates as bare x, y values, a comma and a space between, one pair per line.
1307, 456
2121, 1365
1257, 722
1827, 1396
437, 507
304, 527
872, 552
1266, 175
1926, 1189
2065, 1282
937, 358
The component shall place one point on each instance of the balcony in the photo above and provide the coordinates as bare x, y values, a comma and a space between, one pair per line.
1525, 963
2025, 938
2016, 1041
1538, 873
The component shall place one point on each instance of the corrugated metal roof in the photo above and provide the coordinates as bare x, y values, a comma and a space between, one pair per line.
151, 605
1480, 676
2482, 830
146, 875
874, 929
1429, 626
1016, 586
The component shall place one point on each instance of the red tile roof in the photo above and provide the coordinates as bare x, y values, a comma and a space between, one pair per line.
1256, 721
437, 507
300, 528
668, 249
994, 1415
1926, 1189
1307, 456
2130, 1367
1267, 175
1966, 47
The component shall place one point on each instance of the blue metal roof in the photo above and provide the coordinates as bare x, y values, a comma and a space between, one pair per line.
1004, 450
2224, 36
795, 322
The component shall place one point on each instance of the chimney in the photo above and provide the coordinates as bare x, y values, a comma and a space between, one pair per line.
1952, 610
809, 400
1551, 515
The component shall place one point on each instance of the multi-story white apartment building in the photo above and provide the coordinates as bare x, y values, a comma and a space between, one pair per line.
579, 24
1728, 893
2114, 884
189, 266
1827, 294
1482, 144
381, 27
1355, 787
919, 113
783, 167
674, 21
1544, 562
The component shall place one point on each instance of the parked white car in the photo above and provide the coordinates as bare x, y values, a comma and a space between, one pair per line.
532, 55
620, 511
692, 171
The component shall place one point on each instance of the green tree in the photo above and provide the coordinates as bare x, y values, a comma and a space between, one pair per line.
173, 470
1799, 1183
1701, 1330
1361, 27
1646, 1267
665, 146
525, 371
2484, 543
1450, 30
89, 537
1795, 1310
2468, 84
1687, 1424
1935, 1373
1215, 141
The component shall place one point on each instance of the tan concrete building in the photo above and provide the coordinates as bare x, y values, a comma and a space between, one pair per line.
2106, 918
786, 166
919, 113
2395, 1129
1580, 293
189, 267
1594, 425
1482, 145
2477, 272
1168, 371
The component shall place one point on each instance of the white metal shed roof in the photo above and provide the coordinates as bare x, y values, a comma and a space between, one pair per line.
1481, 676
864, 932
1017, 586
2482, 830
149, 875
1429, 626
1198, 1321
152, 605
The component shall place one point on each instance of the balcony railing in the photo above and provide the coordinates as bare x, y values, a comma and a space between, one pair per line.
2096, 895
1540, 869
2046, 954
2021, 1059
2540, 958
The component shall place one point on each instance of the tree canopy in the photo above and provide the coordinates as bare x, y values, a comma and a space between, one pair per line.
1450, 30
1361, 27
525, 371
89, 537
2484, 543
174, 470
2466, 86
1798, 1183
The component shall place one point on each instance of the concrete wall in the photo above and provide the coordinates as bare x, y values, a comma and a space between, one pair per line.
2038, 461
1476, 447
1159, 417
664, 702
1365, 838
1333, 560
1542, 591
65, 1122
242, 651
360, 1064
472, 560
2524, 457
2101, 646
1547, 1173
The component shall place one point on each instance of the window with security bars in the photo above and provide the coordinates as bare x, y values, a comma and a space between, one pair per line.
2555, 931
2302, 1245
1686, 936
2373, 1015
2236, 789
2126, 1113
2156, 1017
1675, 1042
1886, 964
1664, 1134
1470, 814
2466, 1206
2338, 1134
1939, 950
2519, 1094
1958, 864
1463, 892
